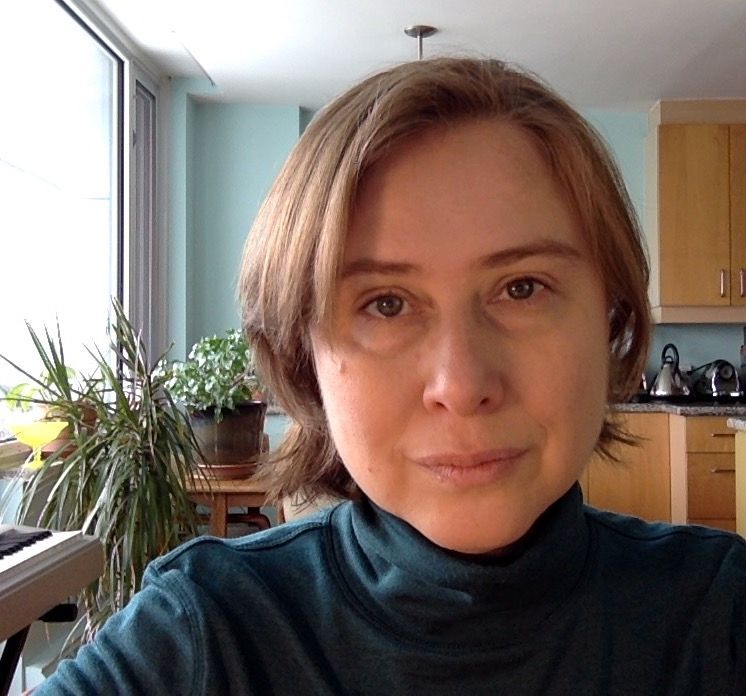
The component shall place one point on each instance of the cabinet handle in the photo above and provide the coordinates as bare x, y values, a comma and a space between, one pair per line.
742, 281
722, 282
722, 470
722, 434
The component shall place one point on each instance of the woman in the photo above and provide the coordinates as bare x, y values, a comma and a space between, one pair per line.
445, 287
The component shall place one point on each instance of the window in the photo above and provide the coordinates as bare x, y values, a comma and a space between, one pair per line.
61, 181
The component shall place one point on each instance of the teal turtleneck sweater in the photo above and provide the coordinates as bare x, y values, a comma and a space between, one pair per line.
355, 601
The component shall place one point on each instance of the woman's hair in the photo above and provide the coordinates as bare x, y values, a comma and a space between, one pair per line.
295, 248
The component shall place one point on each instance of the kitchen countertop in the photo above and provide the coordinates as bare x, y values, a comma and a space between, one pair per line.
737, 411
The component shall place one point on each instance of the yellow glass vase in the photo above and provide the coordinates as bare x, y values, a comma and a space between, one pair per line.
36, 434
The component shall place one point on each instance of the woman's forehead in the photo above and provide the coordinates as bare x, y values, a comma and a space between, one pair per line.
478, 177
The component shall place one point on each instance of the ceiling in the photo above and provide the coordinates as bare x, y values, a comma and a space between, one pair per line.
598, 53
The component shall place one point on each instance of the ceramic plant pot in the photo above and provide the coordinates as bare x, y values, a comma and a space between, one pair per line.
230, 448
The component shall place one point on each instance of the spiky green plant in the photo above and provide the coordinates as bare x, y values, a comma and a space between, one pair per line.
126, 479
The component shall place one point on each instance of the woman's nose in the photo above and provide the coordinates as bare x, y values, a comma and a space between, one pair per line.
463, 365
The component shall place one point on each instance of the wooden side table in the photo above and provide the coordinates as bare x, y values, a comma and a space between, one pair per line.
220, 495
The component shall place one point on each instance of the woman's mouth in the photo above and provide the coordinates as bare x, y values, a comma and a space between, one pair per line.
473, 469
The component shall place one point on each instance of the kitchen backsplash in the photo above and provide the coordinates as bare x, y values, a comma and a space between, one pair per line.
697, 344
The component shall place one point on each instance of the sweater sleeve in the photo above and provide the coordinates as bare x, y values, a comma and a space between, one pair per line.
150, 647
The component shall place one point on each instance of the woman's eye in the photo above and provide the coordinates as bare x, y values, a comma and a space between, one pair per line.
386, 306
522, 288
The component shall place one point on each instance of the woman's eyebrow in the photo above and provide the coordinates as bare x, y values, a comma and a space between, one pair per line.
365, 265
542, 247
545, 247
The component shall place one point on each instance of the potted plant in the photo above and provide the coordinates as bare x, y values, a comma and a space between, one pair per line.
34, 420
220, 390
125, 479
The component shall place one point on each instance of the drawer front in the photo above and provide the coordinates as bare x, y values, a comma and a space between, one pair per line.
711, 483
709, 434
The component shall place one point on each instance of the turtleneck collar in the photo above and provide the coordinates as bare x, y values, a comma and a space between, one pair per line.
422, 591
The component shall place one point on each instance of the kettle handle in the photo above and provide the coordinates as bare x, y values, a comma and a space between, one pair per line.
665, 358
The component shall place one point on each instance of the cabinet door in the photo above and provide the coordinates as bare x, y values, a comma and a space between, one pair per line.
710, 472
694, 214
639, 484
712, 485
738, 213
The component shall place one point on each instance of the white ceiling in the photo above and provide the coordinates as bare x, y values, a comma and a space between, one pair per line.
598, 53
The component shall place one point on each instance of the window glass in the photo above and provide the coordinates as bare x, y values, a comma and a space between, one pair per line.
60, 183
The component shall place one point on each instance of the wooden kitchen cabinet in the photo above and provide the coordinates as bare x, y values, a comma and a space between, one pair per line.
682, 471
710, 472
695, 216
712, 487
738, 213
639, 483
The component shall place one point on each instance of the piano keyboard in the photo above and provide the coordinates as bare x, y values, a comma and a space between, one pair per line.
12, 539
41, 575
35, 551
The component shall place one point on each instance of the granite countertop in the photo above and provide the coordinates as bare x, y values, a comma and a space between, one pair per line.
737, 411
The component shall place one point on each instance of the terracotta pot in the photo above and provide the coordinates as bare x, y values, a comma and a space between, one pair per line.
63, 441
230, 448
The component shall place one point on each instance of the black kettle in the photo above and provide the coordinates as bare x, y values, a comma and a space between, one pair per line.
716, 380
670, 383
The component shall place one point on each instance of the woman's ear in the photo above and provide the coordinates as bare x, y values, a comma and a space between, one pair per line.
618, 317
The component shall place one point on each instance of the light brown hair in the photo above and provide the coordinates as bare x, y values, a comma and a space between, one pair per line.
295, 248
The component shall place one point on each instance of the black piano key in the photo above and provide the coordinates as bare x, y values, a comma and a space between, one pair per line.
13, 540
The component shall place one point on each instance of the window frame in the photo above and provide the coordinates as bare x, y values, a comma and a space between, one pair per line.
147, 246
137, 68
132, 68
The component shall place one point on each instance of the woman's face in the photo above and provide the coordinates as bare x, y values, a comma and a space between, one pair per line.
464, 374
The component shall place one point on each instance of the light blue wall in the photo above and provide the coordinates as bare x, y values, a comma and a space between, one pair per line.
697, 344
239, 150
625, 134
275, 425
180, 216
305, 118
222, 159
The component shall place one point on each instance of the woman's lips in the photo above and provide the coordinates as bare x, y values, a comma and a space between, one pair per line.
471, 469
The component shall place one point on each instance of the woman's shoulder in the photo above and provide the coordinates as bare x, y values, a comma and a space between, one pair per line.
670, 553
653, 533
296, 543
